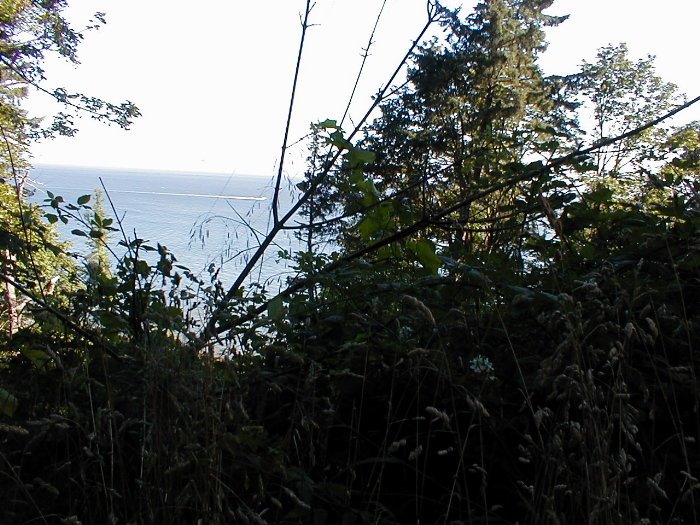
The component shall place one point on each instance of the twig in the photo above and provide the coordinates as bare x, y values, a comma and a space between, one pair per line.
365, 56
22, 217
116, 216
278, 181
96, 114
364, 209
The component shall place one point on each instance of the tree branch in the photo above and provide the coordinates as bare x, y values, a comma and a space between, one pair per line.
428, 221
210, 329
278, 182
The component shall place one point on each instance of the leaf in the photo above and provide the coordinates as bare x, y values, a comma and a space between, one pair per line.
142, 268
368, 227
358, 157
601, 195
39, 358
53, 219
79, 233
83, 199
336, 138
8, 403
275, 308
424, 250
368, 189
328, 124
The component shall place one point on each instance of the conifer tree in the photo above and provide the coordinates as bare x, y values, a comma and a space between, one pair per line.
98, 258
475, 108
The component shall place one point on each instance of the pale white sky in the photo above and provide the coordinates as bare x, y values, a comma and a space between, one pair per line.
213, 78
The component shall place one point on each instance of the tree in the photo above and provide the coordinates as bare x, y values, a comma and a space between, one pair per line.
474, 110
617, 94
30, 253
29, 30
98, 259
678, 180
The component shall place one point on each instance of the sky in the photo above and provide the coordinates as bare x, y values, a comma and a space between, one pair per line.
213, 78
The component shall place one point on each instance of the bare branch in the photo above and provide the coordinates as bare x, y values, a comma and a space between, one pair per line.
210, 329
278, 181
365, 55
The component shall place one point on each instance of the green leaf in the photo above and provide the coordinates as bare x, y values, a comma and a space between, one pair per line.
275, 308
79, 233
424, 250
368, 189
39, 358
359, 157
83, 199
53, 219
8, 403
601, 195
142, 268
328, 124
368, 227
336, 138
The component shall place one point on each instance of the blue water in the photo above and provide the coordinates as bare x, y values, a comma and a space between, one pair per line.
201, 218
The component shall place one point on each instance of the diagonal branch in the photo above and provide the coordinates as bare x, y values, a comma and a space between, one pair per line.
441, 214
211, 327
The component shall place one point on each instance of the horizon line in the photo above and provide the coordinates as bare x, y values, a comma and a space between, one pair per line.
146, 170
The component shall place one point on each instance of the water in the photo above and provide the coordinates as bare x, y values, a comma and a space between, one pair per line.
201, 218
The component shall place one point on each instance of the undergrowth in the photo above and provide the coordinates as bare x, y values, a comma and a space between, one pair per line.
560, 397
